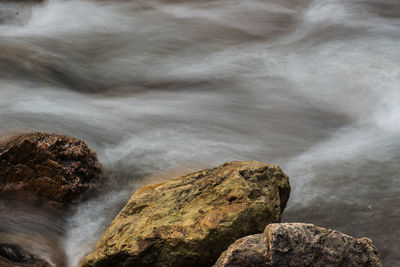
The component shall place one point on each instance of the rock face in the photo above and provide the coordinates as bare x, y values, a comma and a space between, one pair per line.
47, 167
14, 256
189, 221
299, 244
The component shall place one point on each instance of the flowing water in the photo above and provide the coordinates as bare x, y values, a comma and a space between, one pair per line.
161, 88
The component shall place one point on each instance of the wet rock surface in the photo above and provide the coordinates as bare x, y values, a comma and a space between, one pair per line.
48, 168
299, 244
189, 221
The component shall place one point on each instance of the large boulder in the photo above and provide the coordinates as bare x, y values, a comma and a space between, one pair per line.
297, 245
47, 167
189, 221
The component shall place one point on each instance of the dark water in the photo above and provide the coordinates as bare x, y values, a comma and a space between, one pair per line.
161, 88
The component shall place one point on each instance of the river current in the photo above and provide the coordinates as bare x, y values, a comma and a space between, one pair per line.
162, 88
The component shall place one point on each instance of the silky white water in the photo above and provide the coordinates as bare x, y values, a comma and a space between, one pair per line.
162, 88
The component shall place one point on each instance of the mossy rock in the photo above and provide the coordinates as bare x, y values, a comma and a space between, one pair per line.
191, 220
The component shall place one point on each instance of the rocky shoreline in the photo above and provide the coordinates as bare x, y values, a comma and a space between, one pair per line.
229, 215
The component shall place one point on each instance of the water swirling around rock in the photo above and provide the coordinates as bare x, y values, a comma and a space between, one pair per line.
161, 88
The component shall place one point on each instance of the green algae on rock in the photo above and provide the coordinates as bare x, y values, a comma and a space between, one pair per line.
189, 221
297, 245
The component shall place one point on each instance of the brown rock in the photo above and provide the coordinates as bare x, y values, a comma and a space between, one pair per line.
299, 244
189, 221
47, 167
249, 251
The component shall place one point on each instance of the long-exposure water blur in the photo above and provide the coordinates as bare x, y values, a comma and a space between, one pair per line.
160, 88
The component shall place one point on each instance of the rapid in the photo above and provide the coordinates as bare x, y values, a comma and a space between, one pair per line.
161, 88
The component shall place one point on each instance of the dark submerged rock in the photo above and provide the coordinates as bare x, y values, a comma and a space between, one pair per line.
14, 256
